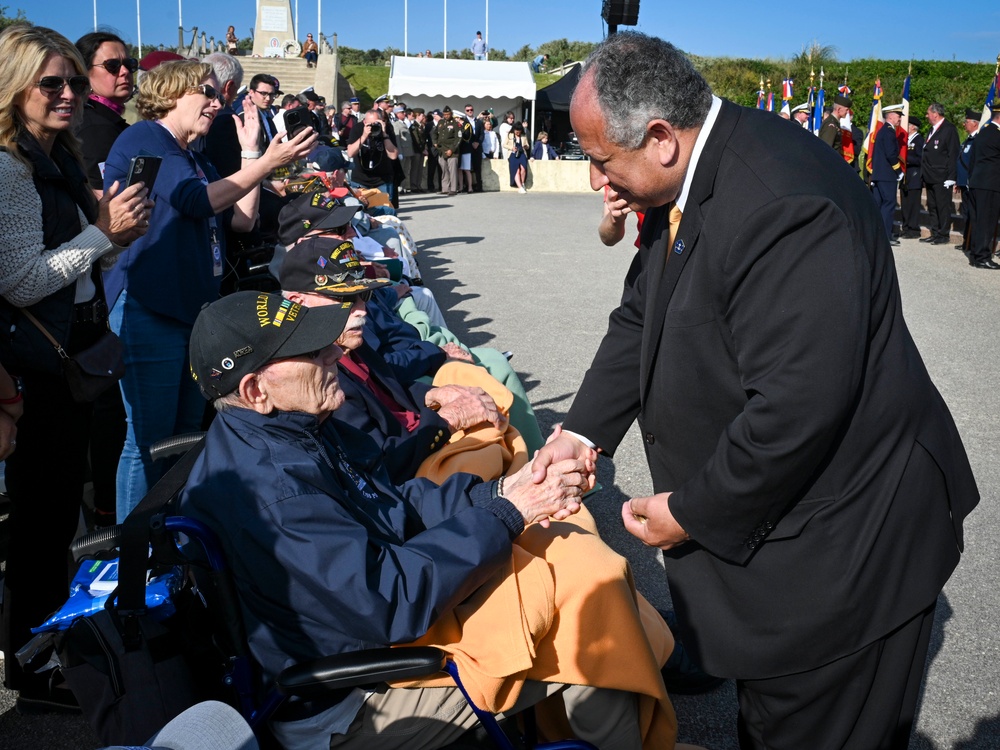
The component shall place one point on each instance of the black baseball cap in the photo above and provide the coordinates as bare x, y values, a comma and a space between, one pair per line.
324, 265
973, 114
310, 212
239, 334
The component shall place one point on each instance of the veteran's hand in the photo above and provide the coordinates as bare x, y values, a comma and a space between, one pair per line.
454, 351
463, 407
650, 521
557, 496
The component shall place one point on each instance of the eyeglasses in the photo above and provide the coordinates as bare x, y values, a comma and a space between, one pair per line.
53, 85
210, 92
265, 94
114, 65
470, 110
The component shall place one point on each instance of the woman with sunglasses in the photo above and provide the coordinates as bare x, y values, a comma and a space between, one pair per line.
164, 279
53, 236
111, 72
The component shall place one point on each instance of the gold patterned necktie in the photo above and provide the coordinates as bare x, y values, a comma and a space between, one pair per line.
675, 221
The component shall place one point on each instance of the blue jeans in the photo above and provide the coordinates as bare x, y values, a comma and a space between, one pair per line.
161, 399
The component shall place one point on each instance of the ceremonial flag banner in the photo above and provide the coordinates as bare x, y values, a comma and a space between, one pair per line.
770, 101
990, 96
786, 109
874, 123
786, 89
818, 111
903, 135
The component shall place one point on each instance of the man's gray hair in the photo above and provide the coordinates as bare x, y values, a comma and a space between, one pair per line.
226, 68
229, 401
639, 78
937, 108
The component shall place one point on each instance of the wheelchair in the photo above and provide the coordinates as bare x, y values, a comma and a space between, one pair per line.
237, 682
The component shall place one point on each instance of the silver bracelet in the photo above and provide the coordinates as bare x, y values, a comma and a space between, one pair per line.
500, 486
250, 154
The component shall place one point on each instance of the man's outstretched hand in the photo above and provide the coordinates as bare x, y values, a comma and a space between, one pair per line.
559, 447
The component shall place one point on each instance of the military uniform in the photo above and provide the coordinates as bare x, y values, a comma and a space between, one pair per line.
831, 135
447, 137
910, 188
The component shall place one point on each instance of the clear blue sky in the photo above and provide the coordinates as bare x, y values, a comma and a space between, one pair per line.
734, 28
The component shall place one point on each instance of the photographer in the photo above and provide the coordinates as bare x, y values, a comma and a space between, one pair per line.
373, 149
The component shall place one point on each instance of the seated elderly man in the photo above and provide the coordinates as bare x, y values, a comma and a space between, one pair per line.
410, 423
329, 556
398, 342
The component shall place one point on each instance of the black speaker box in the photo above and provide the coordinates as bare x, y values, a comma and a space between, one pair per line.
621, 12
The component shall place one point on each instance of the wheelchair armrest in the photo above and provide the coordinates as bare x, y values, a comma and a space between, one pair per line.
359, 668
177, 445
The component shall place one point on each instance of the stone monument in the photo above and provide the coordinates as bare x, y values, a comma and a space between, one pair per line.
274, 34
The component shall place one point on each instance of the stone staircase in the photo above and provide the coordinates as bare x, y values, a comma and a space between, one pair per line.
294, 75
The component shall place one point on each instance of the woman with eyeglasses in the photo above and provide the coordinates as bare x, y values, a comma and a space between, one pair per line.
163, 280
54, 238
111, 72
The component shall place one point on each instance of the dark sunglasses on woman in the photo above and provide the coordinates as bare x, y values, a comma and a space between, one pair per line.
114, 65
210, 92
53, 85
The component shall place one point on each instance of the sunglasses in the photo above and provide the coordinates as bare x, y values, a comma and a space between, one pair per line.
210, 92
53, 85
114, 65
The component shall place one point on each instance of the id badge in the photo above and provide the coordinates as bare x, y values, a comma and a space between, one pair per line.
216, 255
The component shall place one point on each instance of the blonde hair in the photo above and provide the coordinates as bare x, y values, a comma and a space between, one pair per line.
23, 51
161, 87
542, 134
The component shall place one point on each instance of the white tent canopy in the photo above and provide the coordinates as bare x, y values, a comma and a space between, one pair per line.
430, 83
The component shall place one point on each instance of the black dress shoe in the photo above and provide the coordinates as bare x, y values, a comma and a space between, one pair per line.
910, 235
988, 264
928, 238
894, 242
939, 241
680, 674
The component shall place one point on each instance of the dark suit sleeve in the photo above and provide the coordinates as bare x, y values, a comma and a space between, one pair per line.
952, 147
222, 146
608, 400
796, 304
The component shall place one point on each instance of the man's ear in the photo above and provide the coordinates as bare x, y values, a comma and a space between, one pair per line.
664, 137
254, 393
296, 297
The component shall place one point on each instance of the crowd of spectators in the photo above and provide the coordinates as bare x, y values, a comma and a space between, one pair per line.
435, 437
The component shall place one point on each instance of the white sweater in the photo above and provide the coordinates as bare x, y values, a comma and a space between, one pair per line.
29, 272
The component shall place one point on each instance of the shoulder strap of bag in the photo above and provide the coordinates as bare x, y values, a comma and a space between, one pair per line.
52, 340
139, 529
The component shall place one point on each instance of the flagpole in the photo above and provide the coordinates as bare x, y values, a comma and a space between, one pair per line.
406, 28
487, 29
95, 15
138, 27
319, 20
445, 29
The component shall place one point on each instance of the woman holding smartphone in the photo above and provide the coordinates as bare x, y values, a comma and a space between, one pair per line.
162, 281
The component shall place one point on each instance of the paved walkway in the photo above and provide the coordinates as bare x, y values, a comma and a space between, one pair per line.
526, 273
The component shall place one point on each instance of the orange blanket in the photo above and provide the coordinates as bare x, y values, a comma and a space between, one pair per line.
482, 450
564, 610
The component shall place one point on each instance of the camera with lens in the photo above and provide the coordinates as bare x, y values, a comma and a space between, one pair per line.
375, 130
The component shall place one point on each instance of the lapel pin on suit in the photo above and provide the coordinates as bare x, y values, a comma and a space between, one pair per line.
679, 247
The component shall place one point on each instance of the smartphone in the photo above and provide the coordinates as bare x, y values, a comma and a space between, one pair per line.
143, 169
297, 120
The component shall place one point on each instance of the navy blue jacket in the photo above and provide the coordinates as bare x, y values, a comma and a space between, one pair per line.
397, 341
328, 555
914, 153
885, 155
964, 155
402, 451
170, 268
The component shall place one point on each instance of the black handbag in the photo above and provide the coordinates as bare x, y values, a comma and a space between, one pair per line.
94, 370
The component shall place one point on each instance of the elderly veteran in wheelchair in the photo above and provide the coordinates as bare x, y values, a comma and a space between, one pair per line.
329, 556
459, 423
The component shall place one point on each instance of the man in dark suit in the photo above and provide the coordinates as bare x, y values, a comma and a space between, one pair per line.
911, 186
810, 482
939, 171
971, 125
984, 184
263, 90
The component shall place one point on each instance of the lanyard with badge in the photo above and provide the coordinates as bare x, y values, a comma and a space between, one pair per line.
213, 226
